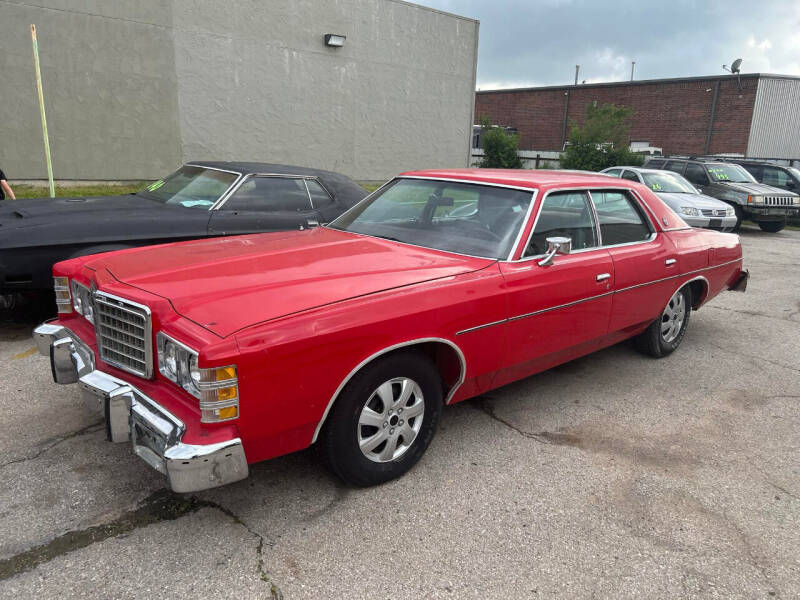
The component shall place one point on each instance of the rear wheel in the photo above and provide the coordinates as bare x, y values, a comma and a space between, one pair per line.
666, 333
384, 419
771, 226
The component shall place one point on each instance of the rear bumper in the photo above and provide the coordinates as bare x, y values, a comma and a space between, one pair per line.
155, 433
740, 284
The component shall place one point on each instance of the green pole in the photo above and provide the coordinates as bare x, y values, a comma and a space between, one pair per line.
41, 108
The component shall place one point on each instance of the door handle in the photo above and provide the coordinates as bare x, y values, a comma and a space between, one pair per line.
603, 276
670, 261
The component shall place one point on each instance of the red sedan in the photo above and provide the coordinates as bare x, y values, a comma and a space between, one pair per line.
442, 285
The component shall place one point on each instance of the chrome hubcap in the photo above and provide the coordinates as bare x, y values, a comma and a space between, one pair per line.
673, 317
391, 419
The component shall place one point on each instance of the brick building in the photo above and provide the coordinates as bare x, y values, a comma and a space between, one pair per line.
757, 115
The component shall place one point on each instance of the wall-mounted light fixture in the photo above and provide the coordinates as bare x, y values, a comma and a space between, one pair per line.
332, 39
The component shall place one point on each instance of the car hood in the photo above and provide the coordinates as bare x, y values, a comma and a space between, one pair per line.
756, 189
227, 284
697, 200
59, 213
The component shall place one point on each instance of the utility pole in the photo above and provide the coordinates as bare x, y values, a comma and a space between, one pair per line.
633, 65
41, 109
577, 68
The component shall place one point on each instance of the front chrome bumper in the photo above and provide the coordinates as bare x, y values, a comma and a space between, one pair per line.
155, 433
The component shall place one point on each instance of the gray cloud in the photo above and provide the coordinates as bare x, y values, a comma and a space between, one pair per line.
525, 43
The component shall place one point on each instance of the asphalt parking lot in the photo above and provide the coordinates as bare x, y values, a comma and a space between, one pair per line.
613, 476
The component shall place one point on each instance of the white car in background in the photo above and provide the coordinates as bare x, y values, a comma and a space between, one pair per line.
682, 197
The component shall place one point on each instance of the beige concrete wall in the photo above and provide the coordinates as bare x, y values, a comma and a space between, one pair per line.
134, 88
108, 73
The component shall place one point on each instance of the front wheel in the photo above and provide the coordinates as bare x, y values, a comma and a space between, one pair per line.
384, 419
666, 333
772, 226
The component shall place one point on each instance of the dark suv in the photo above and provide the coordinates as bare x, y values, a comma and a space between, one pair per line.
779, 176
766, 205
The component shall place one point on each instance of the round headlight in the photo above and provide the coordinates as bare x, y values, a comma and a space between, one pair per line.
171, 358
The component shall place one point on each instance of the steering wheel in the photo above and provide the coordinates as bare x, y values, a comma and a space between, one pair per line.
478, 227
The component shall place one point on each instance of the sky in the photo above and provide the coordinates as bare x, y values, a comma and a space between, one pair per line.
539, 42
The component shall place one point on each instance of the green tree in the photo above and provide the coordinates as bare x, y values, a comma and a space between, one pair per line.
603, 140
499, 147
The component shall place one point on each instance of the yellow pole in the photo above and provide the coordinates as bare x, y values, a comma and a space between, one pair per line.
41, 108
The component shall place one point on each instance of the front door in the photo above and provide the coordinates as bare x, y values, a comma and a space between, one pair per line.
559, 311
263, 204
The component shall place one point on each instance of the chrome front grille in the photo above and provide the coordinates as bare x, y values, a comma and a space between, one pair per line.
123, 330
713, 212
778, 200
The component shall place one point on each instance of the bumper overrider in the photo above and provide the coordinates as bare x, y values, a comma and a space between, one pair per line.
155, 433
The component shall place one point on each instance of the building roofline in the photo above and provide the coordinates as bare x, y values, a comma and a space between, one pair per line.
640, 82
435, 10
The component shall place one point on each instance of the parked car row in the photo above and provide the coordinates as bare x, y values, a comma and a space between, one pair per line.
212, 354
697, 209
735, 185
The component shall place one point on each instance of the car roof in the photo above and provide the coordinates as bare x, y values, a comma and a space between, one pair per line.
641, 169
527, 178
345, 189
250, 168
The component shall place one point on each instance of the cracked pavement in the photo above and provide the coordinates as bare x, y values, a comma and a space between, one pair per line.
612, 476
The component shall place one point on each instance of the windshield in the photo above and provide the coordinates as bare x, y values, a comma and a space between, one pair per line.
191, 187
473, 219
668, 182
731, 173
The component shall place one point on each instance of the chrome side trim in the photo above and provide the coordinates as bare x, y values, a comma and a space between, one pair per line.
500, 322
372, 357
632, 287
552, 308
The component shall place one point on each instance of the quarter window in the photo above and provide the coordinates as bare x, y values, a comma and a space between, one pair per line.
564, 214
630, 176
621, 219
776, 177
270, 194
319, 197
674, 165
696, 174
613, 172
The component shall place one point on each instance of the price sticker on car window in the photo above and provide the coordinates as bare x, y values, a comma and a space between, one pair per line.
718, 174
656, 187
155, 185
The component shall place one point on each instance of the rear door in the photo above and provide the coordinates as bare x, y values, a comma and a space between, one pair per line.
641, 258
561, 310
265, 203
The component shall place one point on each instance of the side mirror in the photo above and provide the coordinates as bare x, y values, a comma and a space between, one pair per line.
790, 185
556, 245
